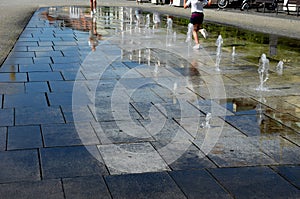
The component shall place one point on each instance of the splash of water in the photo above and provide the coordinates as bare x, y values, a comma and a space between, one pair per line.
207, 121
233, 54
279, 68
219, 43
263, 72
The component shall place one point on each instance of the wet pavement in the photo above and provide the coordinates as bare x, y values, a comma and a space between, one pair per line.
122, 112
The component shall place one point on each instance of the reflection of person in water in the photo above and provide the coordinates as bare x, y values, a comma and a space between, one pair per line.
156, 19
93, 35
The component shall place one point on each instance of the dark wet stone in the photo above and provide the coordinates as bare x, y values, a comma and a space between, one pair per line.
24, 137
92, 187
32, 115
46, 189
69, 134
35, 68
290, 173
71, 162
19, 166
198, 183
6, 117
257, 182
25, 100
146, 185
252, 125
44, 76
3, 131
36, 87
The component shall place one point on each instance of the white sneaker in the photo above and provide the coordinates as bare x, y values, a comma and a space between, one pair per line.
204, 33
196, 47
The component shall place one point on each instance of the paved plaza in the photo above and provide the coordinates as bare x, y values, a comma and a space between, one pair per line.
130, 110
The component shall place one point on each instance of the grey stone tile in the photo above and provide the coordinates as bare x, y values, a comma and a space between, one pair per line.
132, 158
13, 77
48, 54
198, 183
257, 182
44, 76
41, 48
65, 60
66, 67
36, 87
77, 114
24, 137
183, 156
10, 68
69, 134
6, 117
72, 75
25, 100
19, 60
46, 189
92, 187
166, 131
121, 132
233, 152
45, 43
3, 132
42, 60
146, 185
32, 115
65, 162
11, 88
290, 173
35, 68
61, 86
21, 54
19, 166
26, 43
65, 98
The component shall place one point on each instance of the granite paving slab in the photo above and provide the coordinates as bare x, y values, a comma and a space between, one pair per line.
68, 134
290, 173
19, 165
132, 158
3, 132
199, 183
92, 187
255, 182
47, 189
24, 137
65, 162
146, 185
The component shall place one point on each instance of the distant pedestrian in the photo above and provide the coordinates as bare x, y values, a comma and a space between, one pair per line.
171, 3
196, 19
93, 6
